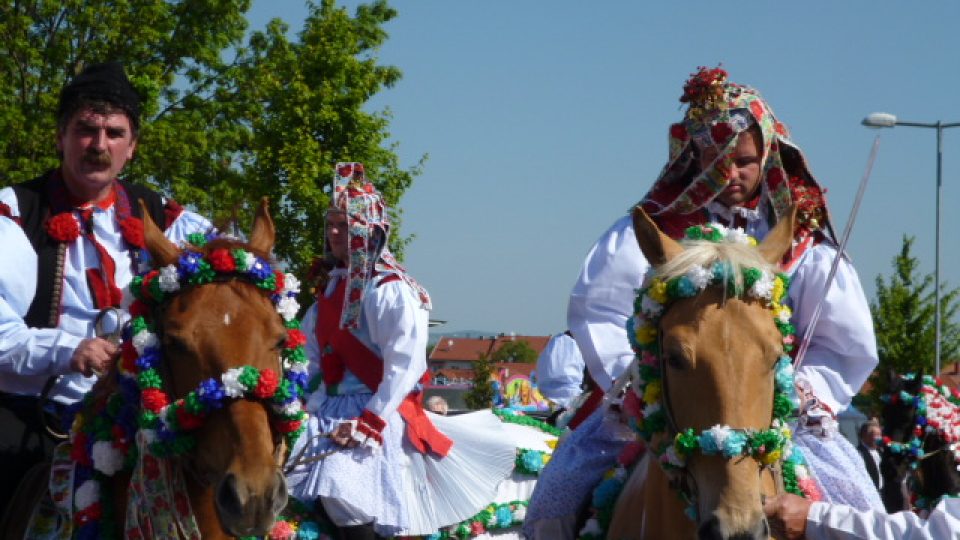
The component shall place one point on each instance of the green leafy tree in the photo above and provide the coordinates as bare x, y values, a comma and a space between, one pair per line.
480, 394
225, 121
904, 321
515, 351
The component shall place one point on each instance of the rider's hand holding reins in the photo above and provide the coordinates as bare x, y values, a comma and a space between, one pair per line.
343, 435
94, 356
787, 516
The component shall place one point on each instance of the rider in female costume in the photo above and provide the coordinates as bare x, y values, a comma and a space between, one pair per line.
375, 460
732, 162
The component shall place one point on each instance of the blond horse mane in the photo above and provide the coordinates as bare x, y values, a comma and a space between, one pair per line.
704, 253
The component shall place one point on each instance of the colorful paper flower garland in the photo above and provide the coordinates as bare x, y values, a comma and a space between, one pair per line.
937, 413
642, 402
103, 433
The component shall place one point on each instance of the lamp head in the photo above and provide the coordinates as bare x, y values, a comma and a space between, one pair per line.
880, 120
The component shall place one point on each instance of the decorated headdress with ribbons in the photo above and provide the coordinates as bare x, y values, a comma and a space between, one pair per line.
718, 112
368, 227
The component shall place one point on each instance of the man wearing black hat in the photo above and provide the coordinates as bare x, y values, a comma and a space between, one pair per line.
73, 240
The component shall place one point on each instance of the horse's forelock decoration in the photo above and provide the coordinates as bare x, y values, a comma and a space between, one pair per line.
138, 420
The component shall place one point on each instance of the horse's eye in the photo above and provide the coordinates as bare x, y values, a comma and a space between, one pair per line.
676, 360
281, 343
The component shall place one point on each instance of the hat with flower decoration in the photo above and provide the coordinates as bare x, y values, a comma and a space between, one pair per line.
368, 228
718, 111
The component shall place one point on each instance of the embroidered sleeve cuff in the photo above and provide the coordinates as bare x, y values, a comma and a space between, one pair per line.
369, 429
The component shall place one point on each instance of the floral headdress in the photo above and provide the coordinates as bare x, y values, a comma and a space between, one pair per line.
368, 227
718, 111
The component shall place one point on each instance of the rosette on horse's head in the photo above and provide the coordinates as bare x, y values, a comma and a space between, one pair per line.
703, 156
357, 205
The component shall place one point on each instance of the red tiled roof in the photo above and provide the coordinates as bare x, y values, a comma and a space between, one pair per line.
463, 349
471, 349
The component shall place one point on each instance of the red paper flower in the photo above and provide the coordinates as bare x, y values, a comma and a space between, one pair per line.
63, 227
132, 230
187, 420
222, 261
128, 357
677, 131
721, 133
267, 385
279, 279
295, 338
145, 285
476, 528
138, 309
287, 426
345, 171
79, 451
153, 399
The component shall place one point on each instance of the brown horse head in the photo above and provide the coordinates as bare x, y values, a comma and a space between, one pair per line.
718, 354
206, 330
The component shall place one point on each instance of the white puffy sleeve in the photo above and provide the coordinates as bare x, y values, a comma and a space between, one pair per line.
37, 352
602, 301
398, 327
560, 370
839, 522
843, 349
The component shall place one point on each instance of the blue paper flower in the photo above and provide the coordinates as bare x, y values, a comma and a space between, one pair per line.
734, 444
189, 262
607, 492
708, 443
504, 516
308, 531
149, 359
261, 269
211, 393
532, 460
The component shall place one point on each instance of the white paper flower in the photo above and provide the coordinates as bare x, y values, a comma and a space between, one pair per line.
169, 279
290, 284
295, 367
520, 513
144, 340
738, 236
672, 457
231, 383
106, 458
651, 409
763, 287
650, 307
719, 228
249, 260
291, 408
719, 434
288, 307
87, 494
699, 276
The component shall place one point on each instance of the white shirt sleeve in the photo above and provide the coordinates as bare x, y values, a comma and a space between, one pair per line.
560, 370
398, 327
602, 301
25, 351
843, 349
839, 522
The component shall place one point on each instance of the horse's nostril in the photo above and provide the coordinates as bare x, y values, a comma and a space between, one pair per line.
229, 498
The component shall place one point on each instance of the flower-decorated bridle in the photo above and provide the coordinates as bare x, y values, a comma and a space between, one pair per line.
103, 435
937, 415
647, 395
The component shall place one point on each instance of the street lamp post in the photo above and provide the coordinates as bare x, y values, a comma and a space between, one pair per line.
887, 120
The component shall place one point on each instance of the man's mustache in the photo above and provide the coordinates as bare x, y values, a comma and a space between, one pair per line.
98, 158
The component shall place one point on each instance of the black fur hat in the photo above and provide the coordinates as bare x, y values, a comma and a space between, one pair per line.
101, 82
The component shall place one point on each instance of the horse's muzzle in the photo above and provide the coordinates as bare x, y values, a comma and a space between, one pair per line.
245, 513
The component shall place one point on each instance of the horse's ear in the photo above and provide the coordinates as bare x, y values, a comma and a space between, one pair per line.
264, 234
657, 247
162, 250
780, 238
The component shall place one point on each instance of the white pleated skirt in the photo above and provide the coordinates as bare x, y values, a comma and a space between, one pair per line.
398, 489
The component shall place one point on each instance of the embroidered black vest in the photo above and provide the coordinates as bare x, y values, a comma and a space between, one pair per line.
34, 207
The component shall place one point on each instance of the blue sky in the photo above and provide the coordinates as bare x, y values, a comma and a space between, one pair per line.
545, 120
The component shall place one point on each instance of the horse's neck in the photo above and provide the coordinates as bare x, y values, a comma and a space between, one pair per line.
648, 507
